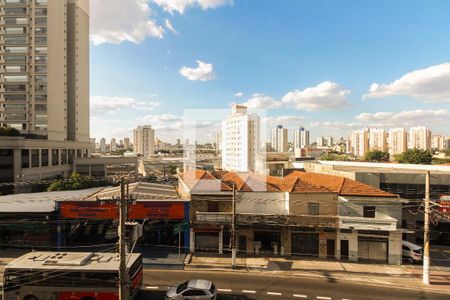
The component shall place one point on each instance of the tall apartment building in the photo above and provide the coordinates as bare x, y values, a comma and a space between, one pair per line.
144, 141
301, 138
325, 141
280, 139
397, 141
360, 142
102, 145
420, 138
113, 145
447, 143
218, 141
437, 142
377, 139
44, 86
240, 140
93, 145
126, 143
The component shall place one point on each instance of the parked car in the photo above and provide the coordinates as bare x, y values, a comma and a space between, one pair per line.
411, 252
195, 289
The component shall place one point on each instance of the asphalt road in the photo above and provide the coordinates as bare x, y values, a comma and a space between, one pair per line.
258, 286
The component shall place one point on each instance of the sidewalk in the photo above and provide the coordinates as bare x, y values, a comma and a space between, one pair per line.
377, 274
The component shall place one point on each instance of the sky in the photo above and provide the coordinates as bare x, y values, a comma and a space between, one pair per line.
331, 66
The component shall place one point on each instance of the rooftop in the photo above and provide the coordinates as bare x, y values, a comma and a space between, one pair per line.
140, 191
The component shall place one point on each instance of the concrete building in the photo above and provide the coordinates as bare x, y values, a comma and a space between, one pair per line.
102, 145
437, 142
301, 138
397, 141
218, 141
419, 138
447, 143
113, 145
44, 86
279, 139
324, 141
144, 141
93, 145
360, 142
377, 139
126, 143
240, 140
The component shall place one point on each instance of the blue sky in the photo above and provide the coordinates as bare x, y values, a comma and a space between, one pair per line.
331, 66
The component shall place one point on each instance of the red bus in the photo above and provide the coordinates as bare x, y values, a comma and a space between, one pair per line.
69, 276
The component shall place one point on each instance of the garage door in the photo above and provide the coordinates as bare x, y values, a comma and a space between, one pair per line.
375, 250
207, 242
306, 244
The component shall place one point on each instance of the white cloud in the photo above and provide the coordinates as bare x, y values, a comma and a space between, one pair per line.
115, 22
335, 125
405, 118
180, 5
169, 26
284, 119
239, 94
261, 101
428, 85
326, 95
105, 104
203, 72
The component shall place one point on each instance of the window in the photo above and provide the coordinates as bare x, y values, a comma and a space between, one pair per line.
15, 69
41, 21
15, 11
15, 117
194, 293
15, 107
19, 78
15, 88
313, 209
40, 79
41, 11
40, 97
16, 58
18, 50
40, 107
41, 30
40, 69
369, 212
213, 206
15, 97
41, 40
16, 21
16, 40
15, 30
41, 118
41, 59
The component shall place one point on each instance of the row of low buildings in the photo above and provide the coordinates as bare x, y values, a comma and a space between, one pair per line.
305, 214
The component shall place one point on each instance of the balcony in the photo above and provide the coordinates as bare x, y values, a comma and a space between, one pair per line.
361, 223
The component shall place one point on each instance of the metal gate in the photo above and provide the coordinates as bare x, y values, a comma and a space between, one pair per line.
305, 244
207, 242
375, 249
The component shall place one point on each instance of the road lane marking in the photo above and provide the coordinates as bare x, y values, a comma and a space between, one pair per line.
249, 291
152, 287
300, 296
323, 298
224, 290
274, 293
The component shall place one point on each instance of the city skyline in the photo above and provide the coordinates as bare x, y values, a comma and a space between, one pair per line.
316, 72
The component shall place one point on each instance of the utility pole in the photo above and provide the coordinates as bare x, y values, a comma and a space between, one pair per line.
233, 229
426, 233
124, 293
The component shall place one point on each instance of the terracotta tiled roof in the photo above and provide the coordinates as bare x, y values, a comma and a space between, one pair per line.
296, 185
252, 182
200, 180
341, 185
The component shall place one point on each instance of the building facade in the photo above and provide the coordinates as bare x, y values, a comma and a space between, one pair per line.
144, 141
419, 138
301, 138
240, 140
279, 140
397, 141
377, 139
437, 142
360, 142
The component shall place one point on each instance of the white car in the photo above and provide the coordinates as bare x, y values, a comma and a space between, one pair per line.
195, 289
411, 252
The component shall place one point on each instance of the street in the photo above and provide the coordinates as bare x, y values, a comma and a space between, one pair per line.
256, 286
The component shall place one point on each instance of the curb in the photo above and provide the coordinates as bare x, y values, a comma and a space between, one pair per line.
244, 269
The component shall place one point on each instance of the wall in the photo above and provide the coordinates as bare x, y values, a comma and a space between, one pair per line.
261, 203
298, 203
352, 245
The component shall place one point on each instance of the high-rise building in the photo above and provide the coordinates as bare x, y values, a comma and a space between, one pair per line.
377, 139
113, 145
301, 138
438, 142
218, 140
102, 145
240, 140
44, 85
93, 145
419, 138
144, 141
397, 141
280, 139
447, 143
126, 143
360, 142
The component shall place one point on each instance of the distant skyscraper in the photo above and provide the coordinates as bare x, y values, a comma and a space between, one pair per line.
301, 138
218, 140
397, 141
144, 141
240, 140
113, 145
360, 142
102, 145
438, 142
126, 143
280, 139
93, 145
420, 138
377, 139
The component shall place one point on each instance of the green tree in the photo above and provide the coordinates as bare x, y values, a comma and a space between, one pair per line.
415, 156
8, 131
171, 169
335, 157
76, 182
376, 155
